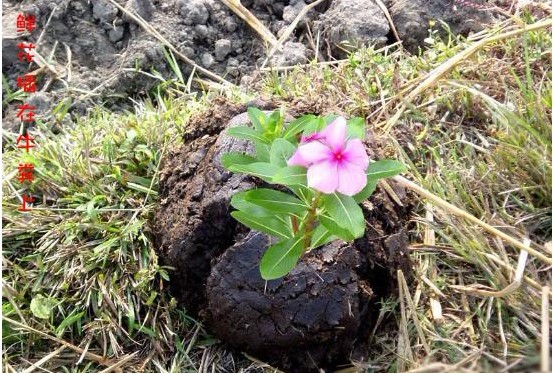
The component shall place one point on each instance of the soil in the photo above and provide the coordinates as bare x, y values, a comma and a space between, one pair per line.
192, 221
102, 56
318, 316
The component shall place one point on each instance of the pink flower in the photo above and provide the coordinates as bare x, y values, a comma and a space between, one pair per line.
333, 163
312, 137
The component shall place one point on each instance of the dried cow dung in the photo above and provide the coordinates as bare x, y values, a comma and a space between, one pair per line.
318, 316
313, 311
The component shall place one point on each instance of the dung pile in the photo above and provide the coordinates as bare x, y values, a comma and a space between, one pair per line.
319, 315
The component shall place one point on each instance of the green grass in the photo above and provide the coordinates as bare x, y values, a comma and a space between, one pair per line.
82, 266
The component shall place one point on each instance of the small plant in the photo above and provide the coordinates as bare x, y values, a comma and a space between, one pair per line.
324, 164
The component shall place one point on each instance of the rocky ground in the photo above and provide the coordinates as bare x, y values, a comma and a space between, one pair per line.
98, 53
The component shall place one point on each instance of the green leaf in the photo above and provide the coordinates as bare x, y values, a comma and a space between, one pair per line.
42, 307
262, 152
321, 236
384, 168
281, 258
262, 170
238, 201
329, 118
314, 126
140, 188
206, 342
356, 128
229, 159
68, 321
140, 328
303, 192
276, 201
291, 175
246, 133
258, 119
298, 125
281, 151
345, 212
366, 192
105, 246
275, 123
269, 224
332, 226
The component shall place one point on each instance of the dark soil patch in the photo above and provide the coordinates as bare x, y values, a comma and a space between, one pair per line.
318, 316
102, 56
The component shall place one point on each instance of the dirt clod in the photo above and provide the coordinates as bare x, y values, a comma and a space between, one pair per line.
350, 24
413, 17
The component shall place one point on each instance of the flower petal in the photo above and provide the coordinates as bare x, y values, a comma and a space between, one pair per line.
351, 178
314, 136
297, 160
356, 154
309, 153
335, 134
323, 176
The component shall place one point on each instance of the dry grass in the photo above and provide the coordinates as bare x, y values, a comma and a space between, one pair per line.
478, 137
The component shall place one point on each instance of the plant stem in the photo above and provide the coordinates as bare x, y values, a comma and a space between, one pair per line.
295, 227
310, 220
